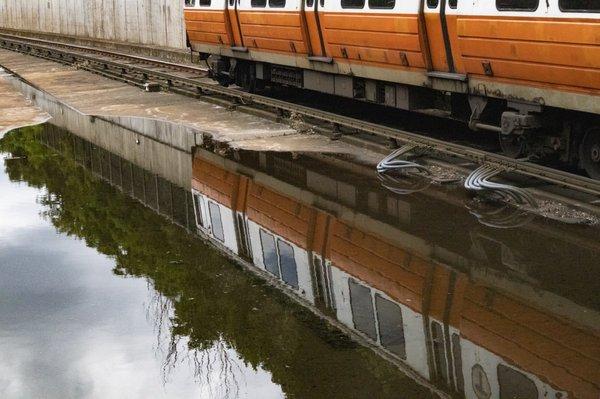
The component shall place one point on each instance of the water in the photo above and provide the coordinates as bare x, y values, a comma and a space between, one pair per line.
116, 282
100, 297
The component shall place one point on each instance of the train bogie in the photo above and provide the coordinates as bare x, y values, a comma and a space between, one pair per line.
527, 60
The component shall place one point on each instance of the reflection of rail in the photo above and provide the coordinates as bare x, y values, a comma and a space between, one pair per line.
141, 73
472, 339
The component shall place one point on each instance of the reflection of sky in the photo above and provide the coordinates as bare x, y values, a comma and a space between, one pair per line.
69, 328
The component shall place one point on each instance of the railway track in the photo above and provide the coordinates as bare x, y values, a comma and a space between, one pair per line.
153, 74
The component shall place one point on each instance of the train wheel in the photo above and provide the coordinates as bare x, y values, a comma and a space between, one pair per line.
512, 146
589, 153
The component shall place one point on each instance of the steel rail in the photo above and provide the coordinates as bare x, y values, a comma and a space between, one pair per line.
167, 80
109, 53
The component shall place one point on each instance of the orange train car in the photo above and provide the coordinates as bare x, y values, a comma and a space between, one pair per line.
528, 70
466, 336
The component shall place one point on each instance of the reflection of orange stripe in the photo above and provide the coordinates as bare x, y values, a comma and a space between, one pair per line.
536, 342
557, 376
215, 182
379, 264
279, 214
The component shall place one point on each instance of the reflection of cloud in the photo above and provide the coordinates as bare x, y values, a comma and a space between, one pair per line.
16, 207
69, 328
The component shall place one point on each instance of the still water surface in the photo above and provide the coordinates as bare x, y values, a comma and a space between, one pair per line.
100, 296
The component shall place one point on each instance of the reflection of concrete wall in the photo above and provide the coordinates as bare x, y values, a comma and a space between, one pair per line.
146, 186
155, 22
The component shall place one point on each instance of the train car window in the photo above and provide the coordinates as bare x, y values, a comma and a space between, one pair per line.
452, 3
382, 4
190, 3
353, 3
204, 3
267, 242
457, 357
215, 221
514, 384
258, 3
517, 5
362, 309
391, 328
579, 5
198, 210
289, 272
276, 3
432, 3
310, 3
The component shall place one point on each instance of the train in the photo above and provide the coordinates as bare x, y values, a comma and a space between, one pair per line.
526, 70
472, 337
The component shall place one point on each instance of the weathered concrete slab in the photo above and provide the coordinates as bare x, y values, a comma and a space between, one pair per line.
15, 110
92, 94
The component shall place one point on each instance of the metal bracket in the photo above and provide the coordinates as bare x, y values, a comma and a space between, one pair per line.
477, 104
326, 60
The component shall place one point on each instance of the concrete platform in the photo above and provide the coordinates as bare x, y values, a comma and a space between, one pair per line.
15, 110
94, 95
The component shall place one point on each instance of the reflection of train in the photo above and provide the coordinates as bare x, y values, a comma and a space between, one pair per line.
528, 69
470, 337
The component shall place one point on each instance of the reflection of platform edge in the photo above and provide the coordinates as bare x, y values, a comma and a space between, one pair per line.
51, 137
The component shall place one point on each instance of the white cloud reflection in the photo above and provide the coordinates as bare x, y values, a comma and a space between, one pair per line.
69, 328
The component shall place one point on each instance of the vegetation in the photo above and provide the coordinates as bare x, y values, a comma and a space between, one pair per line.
200, 297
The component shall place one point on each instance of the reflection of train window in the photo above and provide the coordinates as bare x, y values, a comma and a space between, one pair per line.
269, 255
362, 309
439, 352
215, 221
391, 328
279, 260
480, 382
514, 384
289, 273
198, 210
457, 357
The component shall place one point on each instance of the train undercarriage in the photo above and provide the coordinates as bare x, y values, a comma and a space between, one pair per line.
524, 129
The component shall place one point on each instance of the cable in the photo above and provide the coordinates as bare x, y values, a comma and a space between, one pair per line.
479, 180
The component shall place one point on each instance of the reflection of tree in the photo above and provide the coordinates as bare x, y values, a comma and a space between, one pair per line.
204, 362
206, 310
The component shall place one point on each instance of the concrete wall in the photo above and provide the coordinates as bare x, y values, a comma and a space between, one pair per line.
148, 22
161, 147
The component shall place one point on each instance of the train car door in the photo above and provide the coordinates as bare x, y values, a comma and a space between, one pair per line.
438, 38
310, 12
237, 41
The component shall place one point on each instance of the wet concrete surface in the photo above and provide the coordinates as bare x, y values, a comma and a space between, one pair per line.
386, 295
91, 94
15, 110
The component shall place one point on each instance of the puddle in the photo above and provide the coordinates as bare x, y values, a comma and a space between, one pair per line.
346, 289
